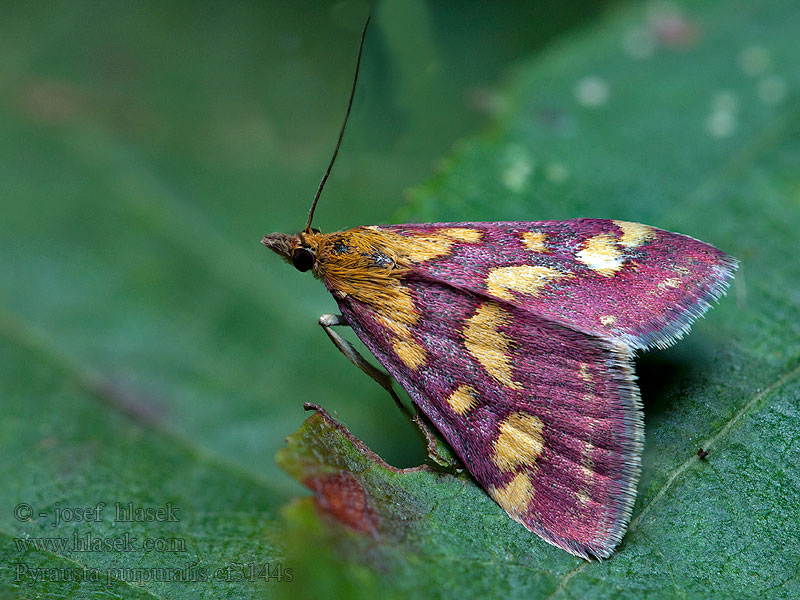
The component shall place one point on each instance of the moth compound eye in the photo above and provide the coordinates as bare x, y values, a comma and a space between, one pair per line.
303, 259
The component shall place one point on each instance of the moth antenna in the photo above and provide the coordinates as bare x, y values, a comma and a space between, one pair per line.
341, 131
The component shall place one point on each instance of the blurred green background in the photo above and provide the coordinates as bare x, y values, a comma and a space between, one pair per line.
147, 147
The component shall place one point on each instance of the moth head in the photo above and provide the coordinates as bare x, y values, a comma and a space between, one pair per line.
302, 250
299, 250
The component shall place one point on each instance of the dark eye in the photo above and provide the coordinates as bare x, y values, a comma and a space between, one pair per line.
302, 259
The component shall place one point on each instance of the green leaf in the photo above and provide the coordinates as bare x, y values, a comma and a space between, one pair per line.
686, 118
98, 500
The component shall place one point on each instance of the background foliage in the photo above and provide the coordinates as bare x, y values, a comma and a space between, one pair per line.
152, 352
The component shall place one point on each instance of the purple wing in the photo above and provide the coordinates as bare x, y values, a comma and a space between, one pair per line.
516, 340
546, 418
625, 281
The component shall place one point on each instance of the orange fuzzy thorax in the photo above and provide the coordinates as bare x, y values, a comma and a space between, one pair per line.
367, 263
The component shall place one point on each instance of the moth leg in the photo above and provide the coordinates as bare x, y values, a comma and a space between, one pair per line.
437, 450
328, 322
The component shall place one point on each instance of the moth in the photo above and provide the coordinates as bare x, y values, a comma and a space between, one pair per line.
516, 340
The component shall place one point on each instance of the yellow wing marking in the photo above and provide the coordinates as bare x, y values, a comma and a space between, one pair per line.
462, 234
490, 346
634, 234
525, 279
463, 399
601, 253
520, 442
534, 241
515, 496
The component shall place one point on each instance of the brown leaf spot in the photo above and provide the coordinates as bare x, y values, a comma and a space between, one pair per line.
341, 496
